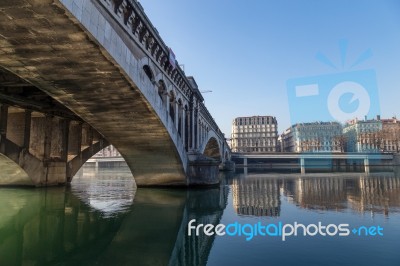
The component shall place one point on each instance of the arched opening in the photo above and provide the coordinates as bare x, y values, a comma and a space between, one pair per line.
107, 159
105, 182
212, 149
162, 90
12, 174
172, 106
148, 72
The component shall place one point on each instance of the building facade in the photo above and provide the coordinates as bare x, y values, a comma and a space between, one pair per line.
363, 135
254, 134
109, 151
313, 137
391, 135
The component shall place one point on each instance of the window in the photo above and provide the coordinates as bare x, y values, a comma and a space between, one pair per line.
148, 72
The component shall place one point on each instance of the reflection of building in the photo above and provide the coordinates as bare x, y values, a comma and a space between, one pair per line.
109, 151
254, 134
326, 193
363, 135
313, 137
256, 196
376, 194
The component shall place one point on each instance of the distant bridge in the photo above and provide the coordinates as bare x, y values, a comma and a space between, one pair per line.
320, 160
76, 76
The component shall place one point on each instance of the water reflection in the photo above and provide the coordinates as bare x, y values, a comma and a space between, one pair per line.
260, 195
67, 226
110, 192
104, 220
47, 226
256, 196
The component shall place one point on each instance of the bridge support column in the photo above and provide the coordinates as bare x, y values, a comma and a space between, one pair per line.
366, 165
245, 162
202, 170
3, 126
302, 166
49, 149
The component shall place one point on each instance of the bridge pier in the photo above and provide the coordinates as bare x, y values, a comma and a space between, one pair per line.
202, 170
302, 166
366, 165
48, 148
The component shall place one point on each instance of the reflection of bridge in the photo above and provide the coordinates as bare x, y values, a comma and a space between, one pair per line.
59, 226
76, 76
44, 228
307, 161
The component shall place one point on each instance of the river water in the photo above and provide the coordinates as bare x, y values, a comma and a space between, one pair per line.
102, 219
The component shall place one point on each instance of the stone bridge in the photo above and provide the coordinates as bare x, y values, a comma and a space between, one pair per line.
76, 76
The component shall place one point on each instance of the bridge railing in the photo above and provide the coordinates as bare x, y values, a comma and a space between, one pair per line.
132, 17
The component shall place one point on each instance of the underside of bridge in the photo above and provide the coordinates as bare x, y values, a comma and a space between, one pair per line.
60, 62
41, 142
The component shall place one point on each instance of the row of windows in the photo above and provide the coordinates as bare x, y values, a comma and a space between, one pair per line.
254, 149
254, 126
242, 143
256, 120
253, 134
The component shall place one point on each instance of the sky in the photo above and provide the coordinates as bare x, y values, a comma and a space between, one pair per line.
248, 52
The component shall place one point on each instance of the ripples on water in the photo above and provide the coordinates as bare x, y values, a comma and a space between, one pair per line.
107, 191
102, 219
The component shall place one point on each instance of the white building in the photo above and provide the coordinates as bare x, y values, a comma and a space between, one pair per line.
254, 134
313, 137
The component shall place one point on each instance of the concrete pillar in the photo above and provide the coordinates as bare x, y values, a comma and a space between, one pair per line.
47, 137
366, 165
27, 129
245, 162
16, 126
75, 139
64, 139
3, 126
48, 127
302, 166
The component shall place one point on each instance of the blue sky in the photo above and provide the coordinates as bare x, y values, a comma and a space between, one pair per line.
246, 51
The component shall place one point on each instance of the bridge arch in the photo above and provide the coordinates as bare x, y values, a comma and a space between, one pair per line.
107, 83
211, 147
12, 173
